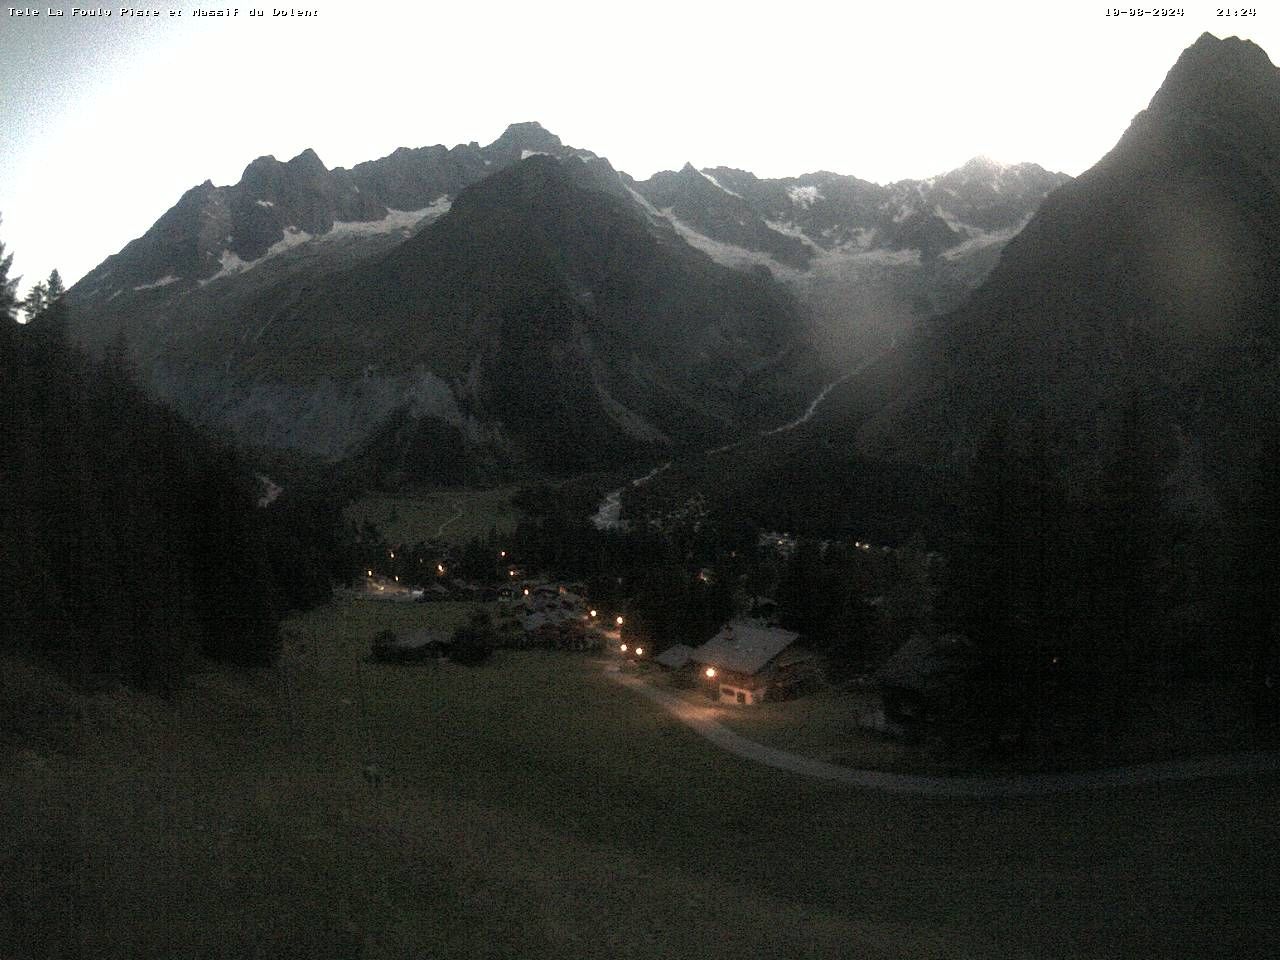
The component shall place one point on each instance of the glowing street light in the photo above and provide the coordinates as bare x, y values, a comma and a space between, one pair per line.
593, 613
369, 572
439, 568
619, 621
393, 554
623, 648
711, 671
639, 651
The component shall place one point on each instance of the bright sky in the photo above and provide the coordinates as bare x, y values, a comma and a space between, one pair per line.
108, 120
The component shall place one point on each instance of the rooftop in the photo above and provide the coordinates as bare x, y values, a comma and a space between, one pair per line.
744, 647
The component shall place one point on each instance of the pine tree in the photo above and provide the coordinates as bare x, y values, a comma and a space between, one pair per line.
34, 303
8, 301
55, 288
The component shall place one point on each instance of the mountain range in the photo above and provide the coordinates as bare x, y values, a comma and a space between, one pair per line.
457, 310
1146, 290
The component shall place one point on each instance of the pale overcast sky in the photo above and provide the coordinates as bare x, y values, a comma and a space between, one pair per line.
108, 120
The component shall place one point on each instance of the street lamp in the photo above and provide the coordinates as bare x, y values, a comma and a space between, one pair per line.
619, 621
711, 672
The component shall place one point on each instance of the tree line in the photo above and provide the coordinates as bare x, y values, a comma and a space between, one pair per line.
130, 543
1086, 590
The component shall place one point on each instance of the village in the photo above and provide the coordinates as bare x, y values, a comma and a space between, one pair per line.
833, 646
742, 659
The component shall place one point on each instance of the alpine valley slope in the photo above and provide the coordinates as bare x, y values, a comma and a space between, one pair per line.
1155, 275
523, 303
1149, 285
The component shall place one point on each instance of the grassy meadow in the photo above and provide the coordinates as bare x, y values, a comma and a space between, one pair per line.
532, 808
454, 516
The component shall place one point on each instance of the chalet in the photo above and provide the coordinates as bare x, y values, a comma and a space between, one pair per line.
542, 629
557, 601
747, 662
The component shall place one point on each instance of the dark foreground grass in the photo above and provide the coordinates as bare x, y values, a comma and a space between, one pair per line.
531, 808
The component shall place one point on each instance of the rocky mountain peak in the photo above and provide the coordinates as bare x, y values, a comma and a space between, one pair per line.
983, 164
1213, 76
528, 136
308, 163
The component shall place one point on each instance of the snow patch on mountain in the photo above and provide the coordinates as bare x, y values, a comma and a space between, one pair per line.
726, 253
264, 203
231, 265
981, 238
804, 197
162, 282
402, 220
653, 213
293, 237
720, 185
791, 230
526, 154
955, 225
853, 254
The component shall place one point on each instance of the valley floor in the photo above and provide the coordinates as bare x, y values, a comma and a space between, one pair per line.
532, 808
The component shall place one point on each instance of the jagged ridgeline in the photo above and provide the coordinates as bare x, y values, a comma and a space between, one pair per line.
523, 307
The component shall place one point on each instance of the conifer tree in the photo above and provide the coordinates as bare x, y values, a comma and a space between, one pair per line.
54, 287
7, 299
35, 301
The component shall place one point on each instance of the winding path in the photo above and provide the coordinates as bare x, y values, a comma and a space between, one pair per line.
701, 720
607, 517
457, 505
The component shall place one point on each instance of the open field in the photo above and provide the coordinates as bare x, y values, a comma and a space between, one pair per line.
822, 725
531, 808
451, 515
1186, 721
